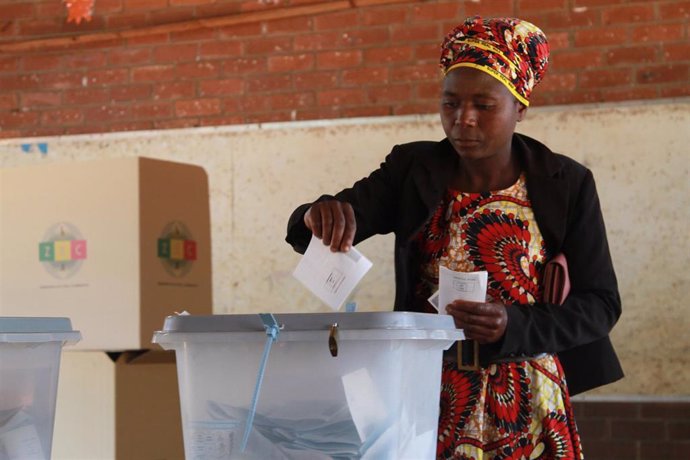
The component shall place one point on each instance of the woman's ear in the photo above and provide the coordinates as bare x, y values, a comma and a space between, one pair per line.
521, 111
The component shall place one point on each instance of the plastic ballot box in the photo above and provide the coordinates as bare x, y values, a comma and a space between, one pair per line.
30, 350
333, 385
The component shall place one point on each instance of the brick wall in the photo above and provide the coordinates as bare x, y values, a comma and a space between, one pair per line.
149, 64
634, 430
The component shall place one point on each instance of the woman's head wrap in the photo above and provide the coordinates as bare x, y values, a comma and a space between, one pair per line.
513, 51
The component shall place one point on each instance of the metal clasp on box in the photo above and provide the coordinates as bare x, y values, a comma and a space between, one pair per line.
333, 340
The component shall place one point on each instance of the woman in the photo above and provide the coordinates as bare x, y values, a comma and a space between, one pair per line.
486, 198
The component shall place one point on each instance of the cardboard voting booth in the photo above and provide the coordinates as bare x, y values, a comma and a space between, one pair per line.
334, 385
120, 406
30, 351
115, 244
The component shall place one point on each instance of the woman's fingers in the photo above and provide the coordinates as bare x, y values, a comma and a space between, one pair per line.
484, 322
333, 222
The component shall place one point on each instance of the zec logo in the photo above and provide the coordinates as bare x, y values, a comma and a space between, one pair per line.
176, 249
62, 250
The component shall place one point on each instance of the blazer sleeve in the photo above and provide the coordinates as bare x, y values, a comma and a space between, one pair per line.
372, 198
593, 305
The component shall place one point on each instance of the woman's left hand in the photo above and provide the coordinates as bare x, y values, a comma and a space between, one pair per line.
483, 322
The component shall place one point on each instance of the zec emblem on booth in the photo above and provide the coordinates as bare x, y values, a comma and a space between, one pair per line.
62, 250
176, 249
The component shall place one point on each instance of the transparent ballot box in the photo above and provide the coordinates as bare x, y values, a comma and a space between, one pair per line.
309, 386
30, 350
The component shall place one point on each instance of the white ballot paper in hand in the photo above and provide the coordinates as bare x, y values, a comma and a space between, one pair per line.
331, 276
452, 285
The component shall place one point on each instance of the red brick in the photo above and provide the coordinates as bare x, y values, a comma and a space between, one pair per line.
628, 14
109, 6
62, 117
290, 63
527, 5
632, 55
155, 39
239, 31
270, 82
292, 101
244, 66
676, 51
663, 74
41, 99
389, 93
604, 36
631, 94
435, 12
174, 90
664, 450
153, 73
84, 59
20, 82
8, 101
144, 4
613, 410
174, 53
341, 97
138, 125
666, 410
415, 33
18, 119
489, 8
609, 450
388, 55
605, 78
221, 121
318, 41
559, 40
679, 431
9, 64
129, 56
41, 62
587, 3
367, 111
364, 37
658, 33
297, 24
204, 69
674, 10
130, 93
49, 9
635, 430
126, 21
197, 107
416, 108
558, 82
107, 113
5, 134
369, 75
220, 48
315, 80
107, 77
340, 20
254, 103
176, 123
338, 59
591, 429
383, 16
151, 110
17, 11
429, 90
60, 80
86, 96
268, 46
575, 59
679, 90
194, 35
187, 2
421, 72
234, 86
570, 19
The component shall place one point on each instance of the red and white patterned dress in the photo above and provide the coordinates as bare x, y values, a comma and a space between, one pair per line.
508, 410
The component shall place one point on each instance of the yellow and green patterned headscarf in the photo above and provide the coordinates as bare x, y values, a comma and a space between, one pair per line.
513, 51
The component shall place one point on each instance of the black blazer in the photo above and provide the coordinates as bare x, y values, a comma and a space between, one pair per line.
402, 194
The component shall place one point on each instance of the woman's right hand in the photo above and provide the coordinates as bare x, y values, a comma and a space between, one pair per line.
333, 222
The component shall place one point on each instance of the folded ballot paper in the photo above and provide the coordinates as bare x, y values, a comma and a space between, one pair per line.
331, 276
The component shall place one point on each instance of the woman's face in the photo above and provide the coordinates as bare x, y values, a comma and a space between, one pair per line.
478, 114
